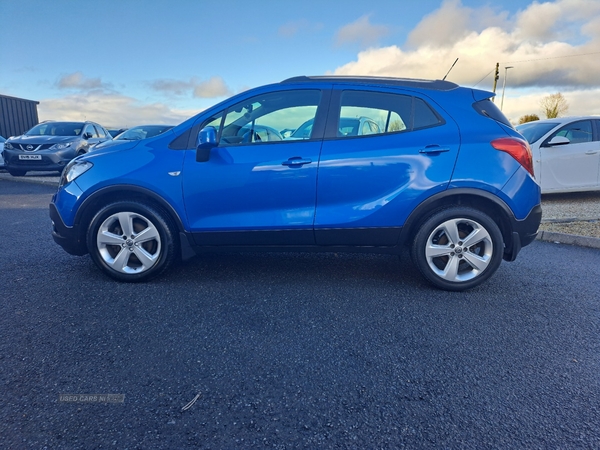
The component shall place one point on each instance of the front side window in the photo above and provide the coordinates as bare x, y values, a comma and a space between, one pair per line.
576, 132
268, 118
364, 113
91, 130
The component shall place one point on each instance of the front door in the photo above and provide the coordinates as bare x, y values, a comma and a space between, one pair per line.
259, 185
574, 165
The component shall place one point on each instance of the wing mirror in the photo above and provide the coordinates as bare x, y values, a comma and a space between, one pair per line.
558, 140
207, 140
87, 135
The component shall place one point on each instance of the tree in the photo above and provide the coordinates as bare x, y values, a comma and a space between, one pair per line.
554, 105
528, 118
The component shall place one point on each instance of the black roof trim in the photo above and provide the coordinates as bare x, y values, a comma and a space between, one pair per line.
437, 85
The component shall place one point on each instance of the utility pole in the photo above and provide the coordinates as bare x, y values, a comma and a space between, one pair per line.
496, 77
504, 85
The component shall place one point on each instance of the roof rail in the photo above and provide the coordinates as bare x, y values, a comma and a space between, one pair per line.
438, 85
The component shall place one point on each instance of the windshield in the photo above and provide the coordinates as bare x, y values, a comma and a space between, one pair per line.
56, 129
143, 132
533, 131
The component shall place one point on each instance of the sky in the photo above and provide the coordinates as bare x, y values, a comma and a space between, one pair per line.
130, 62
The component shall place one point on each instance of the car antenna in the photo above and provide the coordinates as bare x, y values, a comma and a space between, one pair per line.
449, 69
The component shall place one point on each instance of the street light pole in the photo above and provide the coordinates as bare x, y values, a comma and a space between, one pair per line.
504, 85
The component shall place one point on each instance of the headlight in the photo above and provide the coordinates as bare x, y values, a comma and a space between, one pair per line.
73, 170
60, 146
8, 145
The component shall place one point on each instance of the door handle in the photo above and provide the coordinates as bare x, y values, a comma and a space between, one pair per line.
434, 149
296, 161
591, 152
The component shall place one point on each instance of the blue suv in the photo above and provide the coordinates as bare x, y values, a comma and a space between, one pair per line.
437, 168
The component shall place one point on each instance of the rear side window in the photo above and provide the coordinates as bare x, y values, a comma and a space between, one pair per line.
489, 109
366, 113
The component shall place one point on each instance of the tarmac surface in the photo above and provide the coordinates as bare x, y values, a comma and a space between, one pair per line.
291, 350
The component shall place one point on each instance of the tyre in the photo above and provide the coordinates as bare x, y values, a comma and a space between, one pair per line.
458, 248
17, 172
131, 241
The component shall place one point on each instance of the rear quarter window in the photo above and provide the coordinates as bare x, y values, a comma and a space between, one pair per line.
489, 109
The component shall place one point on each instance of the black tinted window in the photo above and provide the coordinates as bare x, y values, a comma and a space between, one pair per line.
489, 109
424, 115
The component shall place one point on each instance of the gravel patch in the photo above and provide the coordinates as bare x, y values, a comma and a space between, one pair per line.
588, 228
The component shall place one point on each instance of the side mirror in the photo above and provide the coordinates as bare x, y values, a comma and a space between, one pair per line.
87, 135
207, 140
558, 140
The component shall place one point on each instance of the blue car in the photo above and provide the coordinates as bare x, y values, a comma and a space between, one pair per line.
441, 172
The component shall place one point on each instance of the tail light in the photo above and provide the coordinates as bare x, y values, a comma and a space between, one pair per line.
518, 149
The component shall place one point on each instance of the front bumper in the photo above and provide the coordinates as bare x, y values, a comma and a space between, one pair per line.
49, 161
69, 238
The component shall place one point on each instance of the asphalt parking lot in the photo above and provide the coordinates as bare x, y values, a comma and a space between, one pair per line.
292, 350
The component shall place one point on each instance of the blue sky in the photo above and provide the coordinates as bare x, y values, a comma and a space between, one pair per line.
123, 63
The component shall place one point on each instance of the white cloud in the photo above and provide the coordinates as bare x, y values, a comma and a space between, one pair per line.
529, 42
110, 110
361, 31
212, 88
78, 81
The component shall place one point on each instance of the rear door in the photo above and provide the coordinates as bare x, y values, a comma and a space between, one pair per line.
369, 183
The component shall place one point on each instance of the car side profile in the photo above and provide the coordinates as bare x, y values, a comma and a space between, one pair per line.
50, 145
442, 173
566, 153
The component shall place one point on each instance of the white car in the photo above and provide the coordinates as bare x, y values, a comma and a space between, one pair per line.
566, 153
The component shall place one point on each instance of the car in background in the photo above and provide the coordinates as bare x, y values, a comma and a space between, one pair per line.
134, 134
566, 153
49, 146
116, 131
444, 174
2, 140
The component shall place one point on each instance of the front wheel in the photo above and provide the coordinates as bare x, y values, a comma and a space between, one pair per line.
131, 241
458, 248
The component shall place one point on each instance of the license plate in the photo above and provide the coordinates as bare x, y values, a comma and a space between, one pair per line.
30, 157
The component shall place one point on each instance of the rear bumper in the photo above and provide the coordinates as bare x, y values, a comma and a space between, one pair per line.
69, 238
523, 233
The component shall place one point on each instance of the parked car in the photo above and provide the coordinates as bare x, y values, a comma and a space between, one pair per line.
2, 140
566, 153
134, 134
347, 126
455, 185
49, 146
114, 132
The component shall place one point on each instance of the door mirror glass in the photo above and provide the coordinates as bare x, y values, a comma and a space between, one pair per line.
207, 140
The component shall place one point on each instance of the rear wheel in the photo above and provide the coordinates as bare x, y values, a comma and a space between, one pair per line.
131, 241
17, 172
458, 248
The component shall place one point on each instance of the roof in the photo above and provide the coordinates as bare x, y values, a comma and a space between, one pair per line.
438, 85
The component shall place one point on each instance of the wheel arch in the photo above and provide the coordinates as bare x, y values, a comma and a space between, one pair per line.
475, 198
107, 195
